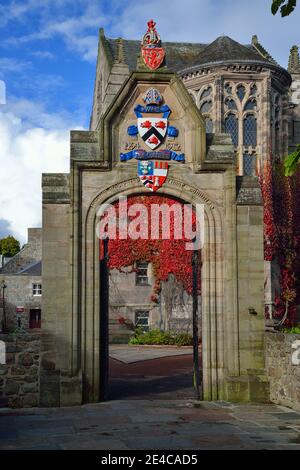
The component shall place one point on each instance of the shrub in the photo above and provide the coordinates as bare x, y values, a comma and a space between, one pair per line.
292, 330
161, 338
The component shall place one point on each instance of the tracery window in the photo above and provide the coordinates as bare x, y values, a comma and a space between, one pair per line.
250, 105
250, 131
249, 164
230, 103
206, 107
240, 121
207, 92
241, 91
231, 127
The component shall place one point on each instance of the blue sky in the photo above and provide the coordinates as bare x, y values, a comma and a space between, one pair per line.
47, 59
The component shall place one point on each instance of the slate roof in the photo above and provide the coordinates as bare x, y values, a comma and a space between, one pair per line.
181, 56
34, 269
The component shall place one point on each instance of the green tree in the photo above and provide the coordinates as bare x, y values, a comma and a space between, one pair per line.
9, 246
286, 7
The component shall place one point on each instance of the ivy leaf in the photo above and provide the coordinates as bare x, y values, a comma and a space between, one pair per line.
291, 162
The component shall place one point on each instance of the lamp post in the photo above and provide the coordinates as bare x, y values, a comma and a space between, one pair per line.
3, 287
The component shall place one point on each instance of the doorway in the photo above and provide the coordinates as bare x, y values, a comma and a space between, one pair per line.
34, 318
162, 366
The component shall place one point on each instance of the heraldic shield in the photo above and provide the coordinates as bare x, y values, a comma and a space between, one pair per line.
152, 130
153, 57
152, 174
152, 52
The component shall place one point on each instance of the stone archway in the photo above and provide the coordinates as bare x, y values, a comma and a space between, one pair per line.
214, 309
232, 262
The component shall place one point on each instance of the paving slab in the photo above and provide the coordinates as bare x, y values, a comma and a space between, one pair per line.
129, 354
151, 425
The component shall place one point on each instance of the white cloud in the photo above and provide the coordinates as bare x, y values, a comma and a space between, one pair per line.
25, 153
34, 115
43, 54
77, 31
9, 64
188, 20
205, 20
17, 10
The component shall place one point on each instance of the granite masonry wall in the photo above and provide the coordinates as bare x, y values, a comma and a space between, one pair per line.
19, 294
19, 376
282, 356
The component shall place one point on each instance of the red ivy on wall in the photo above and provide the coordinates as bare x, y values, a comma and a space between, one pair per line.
166, 256
281, 197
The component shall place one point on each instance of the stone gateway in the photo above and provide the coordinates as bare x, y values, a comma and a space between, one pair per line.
184, 115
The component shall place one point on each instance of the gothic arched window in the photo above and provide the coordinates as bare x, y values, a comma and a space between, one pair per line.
206, 107
249, 164
250, 105
228, 88
241, 108
206, 93
230, 103
231, 127
241, 91
253, 90
250, 131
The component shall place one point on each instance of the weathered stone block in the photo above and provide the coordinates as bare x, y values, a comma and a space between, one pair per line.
33, 347
30, 379
26, 359
18, 370
11, 387
33, 371
10, 358
12, 348
50, 388
30, 387
15, 402
30, 400
71, 391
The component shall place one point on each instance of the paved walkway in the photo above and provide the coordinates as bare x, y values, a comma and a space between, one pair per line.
130, 353
166, 378
145, 424
150, 372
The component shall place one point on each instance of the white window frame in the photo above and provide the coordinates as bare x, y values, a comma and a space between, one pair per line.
142, 279
142, 313
36, 289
